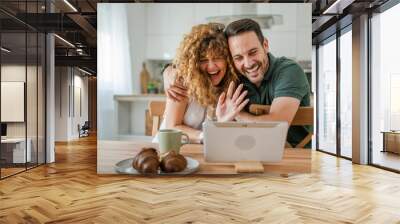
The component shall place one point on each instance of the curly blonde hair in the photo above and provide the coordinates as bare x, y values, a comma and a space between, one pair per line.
204, 39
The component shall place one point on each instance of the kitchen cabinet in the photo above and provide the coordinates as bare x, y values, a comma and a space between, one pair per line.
158, 22
163, 33
289, 13
182, 14
202, 11
303, 45
286, 39
276, 40
162, 47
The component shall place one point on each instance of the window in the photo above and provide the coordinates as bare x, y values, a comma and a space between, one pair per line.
385, 85
327, 96
346, 94
22, 65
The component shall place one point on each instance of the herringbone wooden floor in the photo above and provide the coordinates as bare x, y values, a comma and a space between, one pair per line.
70, 191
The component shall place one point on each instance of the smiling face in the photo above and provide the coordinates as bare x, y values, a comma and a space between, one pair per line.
204, 64
249, 55
214, 67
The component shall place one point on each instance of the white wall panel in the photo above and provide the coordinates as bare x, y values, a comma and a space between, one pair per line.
12, 101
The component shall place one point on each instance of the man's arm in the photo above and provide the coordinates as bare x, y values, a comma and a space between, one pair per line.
173, 88
282, 109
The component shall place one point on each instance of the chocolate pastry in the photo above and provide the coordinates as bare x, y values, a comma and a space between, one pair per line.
146, 161
173, 162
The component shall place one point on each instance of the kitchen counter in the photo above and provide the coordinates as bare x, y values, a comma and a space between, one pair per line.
131, 113
140, 97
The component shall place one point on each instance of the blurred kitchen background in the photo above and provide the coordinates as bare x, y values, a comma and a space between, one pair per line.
135, 41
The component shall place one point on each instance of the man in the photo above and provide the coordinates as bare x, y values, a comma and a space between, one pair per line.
279, 82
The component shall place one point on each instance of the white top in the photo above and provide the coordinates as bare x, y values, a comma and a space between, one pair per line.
194, 117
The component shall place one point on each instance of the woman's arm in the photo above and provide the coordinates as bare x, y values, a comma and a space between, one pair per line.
175, 112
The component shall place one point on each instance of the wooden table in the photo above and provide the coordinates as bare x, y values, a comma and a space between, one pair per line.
391, 141
111, 152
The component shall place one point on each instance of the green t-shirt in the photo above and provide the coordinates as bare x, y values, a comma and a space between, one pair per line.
284, 78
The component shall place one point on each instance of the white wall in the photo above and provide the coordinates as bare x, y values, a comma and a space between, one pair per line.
68, 81
80, 83
33, 127
12, 73
290, 36
13, 101
61, 103
137, 39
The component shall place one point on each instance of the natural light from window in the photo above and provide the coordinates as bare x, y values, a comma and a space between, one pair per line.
327, 97
385, 83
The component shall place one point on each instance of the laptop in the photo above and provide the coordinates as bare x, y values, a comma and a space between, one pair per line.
238, 141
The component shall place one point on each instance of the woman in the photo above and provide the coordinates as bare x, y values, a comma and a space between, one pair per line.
204, 67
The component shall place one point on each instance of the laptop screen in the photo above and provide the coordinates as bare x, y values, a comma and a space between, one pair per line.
3, 129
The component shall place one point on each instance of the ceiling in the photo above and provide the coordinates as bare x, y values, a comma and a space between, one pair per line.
76, 22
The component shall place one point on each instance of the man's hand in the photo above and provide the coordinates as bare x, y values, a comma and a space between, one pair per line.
173, 88
176, 92
230, 104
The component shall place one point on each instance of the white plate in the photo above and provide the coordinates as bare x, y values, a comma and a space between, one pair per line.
125, 167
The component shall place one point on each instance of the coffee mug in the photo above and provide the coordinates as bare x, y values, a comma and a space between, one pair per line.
171, 140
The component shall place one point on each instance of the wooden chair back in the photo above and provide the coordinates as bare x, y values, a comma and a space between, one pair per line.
156, 111
304, 116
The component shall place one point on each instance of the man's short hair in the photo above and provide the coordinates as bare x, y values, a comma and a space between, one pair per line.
244, 25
